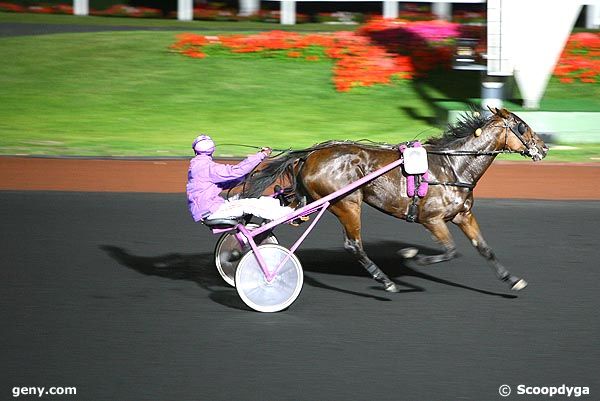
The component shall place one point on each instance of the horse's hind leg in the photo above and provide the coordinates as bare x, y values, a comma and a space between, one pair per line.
441, 234
468, 225
348, 212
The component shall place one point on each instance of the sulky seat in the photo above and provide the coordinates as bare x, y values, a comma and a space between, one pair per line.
221, 223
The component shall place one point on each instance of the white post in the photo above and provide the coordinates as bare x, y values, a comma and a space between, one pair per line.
592, 16
530, 54
185, 10
288, 12
81, 7
390, 9
442, 10
492, 91
249, 7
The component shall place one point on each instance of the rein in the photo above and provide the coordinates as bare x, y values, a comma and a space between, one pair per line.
469, 152
281, 151
241, 145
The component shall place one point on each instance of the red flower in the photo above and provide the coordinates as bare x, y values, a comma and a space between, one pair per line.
580, 59
12, 7
379, 52
194, 53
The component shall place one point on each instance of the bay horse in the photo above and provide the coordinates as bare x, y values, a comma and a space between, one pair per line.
456, 162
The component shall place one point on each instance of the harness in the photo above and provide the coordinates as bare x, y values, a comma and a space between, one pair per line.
518, 129
415, 168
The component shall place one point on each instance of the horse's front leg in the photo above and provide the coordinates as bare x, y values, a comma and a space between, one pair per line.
348, 213
441, 234
468, 224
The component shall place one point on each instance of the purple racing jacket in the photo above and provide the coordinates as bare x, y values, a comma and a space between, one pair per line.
207, 179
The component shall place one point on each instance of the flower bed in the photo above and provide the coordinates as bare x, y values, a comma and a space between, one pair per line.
220, 12
272, 16
470, 17
38, 9
14, 8
208, 13
381, 52
340, 17
358, 62
120, 10
580, 59
429, 44
214, 14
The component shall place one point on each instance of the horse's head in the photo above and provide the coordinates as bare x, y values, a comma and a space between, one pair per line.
517, 136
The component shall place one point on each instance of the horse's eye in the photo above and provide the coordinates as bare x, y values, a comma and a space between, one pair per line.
522, 128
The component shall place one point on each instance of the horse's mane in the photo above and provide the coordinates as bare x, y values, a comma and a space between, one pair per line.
464, 127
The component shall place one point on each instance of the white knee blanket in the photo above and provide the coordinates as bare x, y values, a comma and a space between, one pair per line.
264, 207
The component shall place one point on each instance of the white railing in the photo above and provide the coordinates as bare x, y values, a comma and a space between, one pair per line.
185, 8
441, 8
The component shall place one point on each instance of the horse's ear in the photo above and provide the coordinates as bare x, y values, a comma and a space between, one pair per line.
504, 113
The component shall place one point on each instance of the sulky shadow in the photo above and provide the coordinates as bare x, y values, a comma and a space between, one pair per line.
199, 268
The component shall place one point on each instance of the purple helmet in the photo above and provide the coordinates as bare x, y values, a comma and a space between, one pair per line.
203, 145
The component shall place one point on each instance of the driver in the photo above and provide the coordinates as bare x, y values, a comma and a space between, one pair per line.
207, 179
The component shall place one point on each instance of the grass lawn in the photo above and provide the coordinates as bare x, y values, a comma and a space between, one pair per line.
125, 94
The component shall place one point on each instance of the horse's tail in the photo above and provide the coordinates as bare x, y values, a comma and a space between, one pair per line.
288, 166
282, 166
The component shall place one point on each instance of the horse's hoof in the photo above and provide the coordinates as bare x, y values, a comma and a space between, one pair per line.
424, 260
519, 285
408, 253
392, 287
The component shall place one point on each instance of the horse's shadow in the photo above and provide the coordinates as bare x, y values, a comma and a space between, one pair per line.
385, 255
199, 268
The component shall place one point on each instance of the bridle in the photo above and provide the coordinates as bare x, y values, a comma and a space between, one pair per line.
521, 128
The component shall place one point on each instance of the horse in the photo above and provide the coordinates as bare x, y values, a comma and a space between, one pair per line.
456, 162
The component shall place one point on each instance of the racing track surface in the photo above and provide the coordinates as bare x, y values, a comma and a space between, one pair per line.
116, 294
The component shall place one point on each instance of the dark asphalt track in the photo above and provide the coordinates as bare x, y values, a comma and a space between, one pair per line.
116, 294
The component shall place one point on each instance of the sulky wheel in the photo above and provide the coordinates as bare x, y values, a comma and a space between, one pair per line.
282, 291
228, 253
